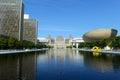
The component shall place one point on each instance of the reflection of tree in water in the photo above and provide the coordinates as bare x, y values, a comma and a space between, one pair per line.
102, 63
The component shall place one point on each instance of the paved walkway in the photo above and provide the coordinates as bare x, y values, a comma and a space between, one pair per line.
20, 51
102, 51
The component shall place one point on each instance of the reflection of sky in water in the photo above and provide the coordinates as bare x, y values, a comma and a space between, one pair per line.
68, 64
58, 62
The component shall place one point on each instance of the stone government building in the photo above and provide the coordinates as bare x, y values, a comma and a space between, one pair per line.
60, 41
12, 23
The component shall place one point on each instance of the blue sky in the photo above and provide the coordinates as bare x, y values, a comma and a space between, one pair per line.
73, 17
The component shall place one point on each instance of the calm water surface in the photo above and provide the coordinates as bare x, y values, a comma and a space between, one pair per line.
60, 64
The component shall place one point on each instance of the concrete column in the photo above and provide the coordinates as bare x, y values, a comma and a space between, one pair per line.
77, 45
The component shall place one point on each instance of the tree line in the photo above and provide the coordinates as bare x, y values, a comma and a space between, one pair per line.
13, 43
115, 43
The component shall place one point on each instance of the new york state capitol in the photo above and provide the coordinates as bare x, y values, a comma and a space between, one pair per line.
60, 41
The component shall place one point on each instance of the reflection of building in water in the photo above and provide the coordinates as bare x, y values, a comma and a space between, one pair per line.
8, 68
61, 55
103, 63
28, 67
18, 67
57, 54
60, 41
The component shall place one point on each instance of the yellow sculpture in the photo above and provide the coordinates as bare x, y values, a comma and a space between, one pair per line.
95, 51
95, 48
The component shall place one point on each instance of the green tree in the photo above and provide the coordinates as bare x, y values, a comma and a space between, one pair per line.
99, 43
39, 46
30, 45
81, 45
19, 44
69, 46
50, 46
3, 43
12, 43
116, 42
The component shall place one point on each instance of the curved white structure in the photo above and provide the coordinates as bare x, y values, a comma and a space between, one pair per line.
99, 34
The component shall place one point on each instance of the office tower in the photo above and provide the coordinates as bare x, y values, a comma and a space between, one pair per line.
30, 30
11, 19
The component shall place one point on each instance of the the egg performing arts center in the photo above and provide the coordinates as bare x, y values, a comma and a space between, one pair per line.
100, 34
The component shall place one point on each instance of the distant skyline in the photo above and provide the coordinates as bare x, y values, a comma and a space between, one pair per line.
73, 17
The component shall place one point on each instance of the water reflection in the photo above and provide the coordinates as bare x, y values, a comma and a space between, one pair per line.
18, 67
68, 64
60, 64
96, 53
60, 56
102, 62
57, 64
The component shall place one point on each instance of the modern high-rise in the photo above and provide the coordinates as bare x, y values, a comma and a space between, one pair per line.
11, 18
30, 30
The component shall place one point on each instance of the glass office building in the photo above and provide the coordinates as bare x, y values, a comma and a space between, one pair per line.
11, 18
30, 30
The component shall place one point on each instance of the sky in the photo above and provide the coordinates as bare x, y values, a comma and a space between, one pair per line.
73, 17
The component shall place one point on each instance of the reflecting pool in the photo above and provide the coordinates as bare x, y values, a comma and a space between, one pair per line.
60, 64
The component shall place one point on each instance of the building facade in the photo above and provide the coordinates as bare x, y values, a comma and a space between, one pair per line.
60, 41
42, 41
30, 30
11, 18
